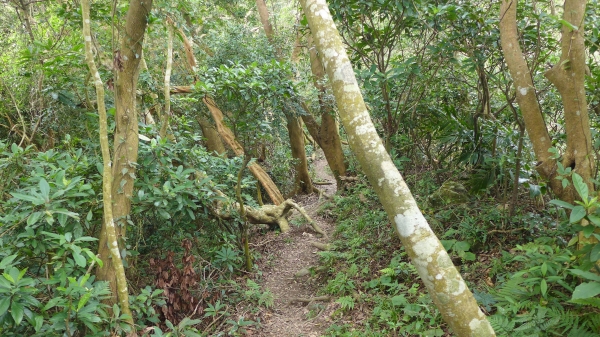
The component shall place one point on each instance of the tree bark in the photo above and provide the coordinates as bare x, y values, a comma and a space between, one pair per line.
229, 138
296, 135
328, 136
213, 140
126, 141
568, 75
445, 285
109, 232
526, 94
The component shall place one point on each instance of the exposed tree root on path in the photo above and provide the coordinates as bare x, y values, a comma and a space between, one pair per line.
288, 262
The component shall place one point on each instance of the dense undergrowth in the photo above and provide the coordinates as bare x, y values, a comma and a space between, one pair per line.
183, 264
520, 268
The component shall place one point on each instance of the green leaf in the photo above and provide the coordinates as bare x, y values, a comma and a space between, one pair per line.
586, 274
79, 259
544, 269
468, 256
562, 204
594, 219
4, 304
16, 311
83, 300
33, 199
595, 253
580, 186
544, 287
462, 246
586, 290
45, 189
399, 300
7, 261
33, 218
577, 214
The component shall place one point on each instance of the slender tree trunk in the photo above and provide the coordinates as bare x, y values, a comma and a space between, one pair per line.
526, 94
445, 285
164, 125
108, 224
328, 135
303, 181
127, 60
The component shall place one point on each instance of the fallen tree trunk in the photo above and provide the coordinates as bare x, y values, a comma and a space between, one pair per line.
272, 215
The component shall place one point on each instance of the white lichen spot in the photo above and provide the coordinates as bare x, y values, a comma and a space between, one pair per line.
572, 74
461, 287
575, 152
510, 45
426, 247
405, 226
474, 324
578, 112
87, 21
543, 139
125, 58
351, 88
380, 181
330, 53
88, 39
362, 129
114, 244
429, 259
518, 73
344, 74
438, 276
390, 172
523, 91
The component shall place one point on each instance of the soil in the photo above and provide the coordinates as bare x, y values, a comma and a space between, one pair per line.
286, 255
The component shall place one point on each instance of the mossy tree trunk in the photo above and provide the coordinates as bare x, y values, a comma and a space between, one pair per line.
127, 61
109, 228
445, 285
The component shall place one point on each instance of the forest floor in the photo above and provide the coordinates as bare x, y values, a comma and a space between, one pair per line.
287, 254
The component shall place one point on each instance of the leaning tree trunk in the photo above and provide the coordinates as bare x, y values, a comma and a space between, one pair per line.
108, 221
229, 138
445, 285
526, 94
126, 133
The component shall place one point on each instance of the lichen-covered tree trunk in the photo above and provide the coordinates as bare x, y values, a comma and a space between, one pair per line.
526, 94
125, 144
445, 285
328, 132
108, 220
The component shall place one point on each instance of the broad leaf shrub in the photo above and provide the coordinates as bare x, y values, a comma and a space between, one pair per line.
51, 211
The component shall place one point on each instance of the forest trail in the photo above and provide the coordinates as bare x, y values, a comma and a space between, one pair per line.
290, 253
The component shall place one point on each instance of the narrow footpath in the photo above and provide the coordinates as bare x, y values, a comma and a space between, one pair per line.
292, 254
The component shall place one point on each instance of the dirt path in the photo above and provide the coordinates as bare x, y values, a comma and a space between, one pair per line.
290, 253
